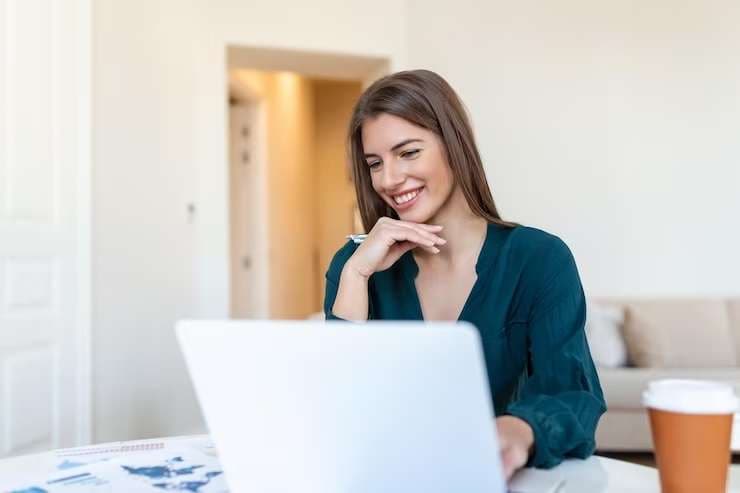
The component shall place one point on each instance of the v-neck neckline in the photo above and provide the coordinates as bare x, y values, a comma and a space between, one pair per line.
411, 270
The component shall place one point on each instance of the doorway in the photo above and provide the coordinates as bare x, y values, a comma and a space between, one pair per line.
292, 200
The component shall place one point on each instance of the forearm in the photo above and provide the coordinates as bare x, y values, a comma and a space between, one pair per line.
518, 431
516, 440
564, 425
352, 301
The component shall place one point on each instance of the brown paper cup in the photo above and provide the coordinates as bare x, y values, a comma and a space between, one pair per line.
692, 451
691, 426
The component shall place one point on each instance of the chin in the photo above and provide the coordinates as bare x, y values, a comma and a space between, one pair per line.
420, 216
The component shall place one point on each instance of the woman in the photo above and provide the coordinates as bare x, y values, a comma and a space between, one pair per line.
437, 249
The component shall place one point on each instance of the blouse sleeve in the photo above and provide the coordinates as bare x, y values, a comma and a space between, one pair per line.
333, 274
330, 295
561, 398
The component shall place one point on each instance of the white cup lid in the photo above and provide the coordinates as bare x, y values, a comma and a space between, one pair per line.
690, 396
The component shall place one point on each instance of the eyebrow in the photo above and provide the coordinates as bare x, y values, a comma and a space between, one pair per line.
397, 146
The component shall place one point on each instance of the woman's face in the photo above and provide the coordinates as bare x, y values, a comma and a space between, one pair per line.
408, 167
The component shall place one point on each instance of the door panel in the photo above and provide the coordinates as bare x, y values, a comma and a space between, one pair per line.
43, 165
248, 256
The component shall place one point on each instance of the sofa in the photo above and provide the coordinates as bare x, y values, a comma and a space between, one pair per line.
658, 338
634, 341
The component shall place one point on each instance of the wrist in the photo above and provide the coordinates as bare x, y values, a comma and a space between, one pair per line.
356, 272
522, 431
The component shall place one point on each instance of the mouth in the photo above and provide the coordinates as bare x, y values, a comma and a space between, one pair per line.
406, 200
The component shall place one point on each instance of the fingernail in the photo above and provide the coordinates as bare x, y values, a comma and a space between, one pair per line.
442, 241
435, 250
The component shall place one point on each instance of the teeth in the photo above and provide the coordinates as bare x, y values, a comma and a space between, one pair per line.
402, 199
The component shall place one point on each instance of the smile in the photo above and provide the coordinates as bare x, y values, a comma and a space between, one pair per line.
406, 199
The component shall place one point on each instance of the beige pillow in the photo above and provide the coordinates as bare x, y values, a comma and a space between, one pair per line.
733, 307
679, 334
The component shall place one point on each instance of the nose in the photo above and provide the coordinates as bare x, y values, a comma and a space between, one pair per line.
393, 176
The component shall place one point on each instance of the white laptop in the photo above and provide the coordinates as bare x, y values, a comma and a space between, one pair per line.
339, 407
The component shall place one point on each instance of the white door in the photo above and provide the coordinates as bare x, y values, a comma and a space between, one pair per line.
249, 256
44, 224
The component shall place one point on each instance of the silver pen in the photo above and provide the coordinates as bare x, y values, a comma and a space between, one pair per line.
357, 238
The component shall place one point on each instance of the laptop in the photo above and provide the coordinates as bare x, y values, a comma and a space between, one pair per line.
309, 406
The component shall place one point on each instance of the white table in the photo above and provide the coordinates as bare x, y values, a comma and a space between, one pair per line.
604, 475
595, 475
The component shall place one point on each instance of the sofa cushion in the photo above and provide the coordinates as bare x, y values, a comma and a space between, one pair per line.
679, 334
733, 310
604, 334
623, 387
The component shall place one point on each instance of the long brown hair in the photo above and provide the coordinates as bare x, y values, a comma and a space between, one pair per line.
425, 99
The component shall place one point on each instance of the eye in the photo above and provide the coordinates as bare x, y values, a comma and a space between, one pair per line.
410, 154
373, 164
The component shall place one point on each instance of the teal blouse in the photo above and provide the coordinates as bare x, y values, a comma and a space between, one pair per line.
529, 307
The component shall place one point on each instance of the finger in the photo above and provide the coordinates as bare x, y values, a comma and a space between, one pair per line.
400, 234
422, 231
429, 227
394, 233
410, 245
421, 227
430, 249
400, 248
410, 234
435, 228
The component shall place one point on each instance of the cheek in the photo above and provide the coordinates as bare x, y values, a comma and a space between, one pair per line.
375, 183
449, 179
442, 178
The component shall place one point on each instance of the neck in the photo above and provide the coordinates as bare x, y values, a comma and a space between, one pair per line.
463, 230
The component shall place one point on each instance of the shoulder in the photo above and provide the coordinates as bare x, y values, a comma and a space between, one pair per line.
529, 241
546, 271
539, 254
340, 258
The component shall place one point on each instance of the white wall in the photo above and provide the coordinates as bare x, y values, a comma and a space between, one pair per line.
160, 86
613, 124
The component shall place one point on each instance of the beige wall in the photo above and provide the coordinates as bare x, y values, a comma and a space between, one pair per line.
292, 182
288, 101
336, 196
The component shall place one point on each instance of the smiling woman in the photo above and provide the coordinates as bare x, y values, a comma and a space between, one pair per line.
414, 120
437, 249
411, 176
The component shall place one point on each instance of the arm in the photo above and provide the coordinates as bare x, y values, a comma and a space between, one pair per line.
348, 277
350, 296
561, 399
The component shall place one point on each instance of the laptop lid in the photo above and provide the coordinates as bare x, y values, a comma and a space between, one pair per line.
342, 407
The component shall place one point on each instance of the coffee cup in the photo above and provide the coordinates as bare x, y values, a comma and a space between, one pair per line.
691, 425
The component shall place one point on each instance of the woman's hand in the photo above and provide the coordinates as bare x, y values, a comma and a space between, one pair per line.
388, 240
516, 439
384, 245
